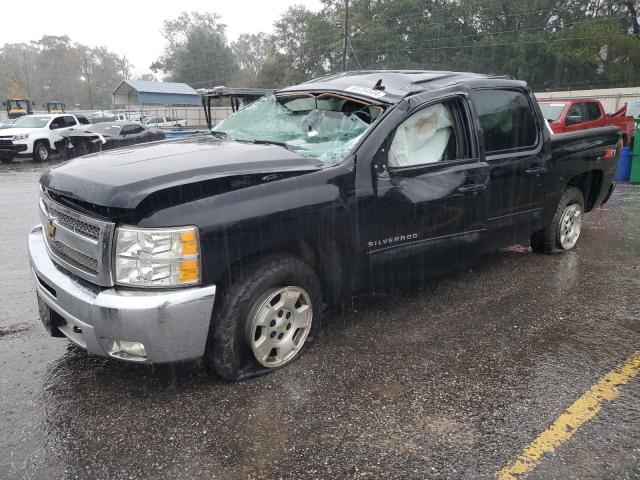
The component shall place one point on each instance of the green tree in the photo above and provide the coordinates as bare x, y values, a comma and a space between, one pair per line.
53, 69
197, 51
251, 52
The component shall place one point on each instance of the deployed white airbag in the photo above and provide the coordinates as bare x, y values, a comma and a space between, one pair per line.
422, 138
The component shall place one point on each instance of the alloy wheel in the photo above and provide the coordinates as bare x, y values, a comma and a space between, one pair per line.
280, 325
570, 226
43, 152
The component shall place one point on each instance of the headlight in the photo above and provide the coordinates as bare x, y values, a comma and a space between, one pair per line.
157, 257
24, 136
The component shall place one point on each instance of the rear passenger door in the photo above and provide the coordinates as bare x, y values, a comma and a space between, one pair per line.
513, 148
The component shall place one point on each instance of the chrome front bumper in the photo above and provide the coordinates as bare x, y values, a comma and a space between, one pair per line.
172, 325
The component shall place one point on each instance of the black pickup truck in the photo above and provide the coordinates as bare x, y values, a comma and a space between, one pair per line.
227, 245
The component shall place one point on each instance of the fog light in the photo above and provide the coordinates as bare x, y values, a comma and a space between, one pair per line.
123, 348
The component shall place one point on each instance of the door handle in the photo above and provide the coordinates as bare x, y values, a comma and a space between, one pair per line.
536, 170
471, 188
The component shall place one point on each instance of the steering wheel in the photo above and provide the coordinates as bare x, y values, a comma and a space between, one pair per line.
363, 114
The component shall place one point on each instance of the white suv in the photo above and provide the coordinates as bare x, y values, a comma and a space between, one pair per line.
34, 135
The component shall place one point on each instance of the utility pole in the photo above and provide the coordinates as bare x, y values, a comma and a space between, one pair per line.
87, 75
26, 74
345, 33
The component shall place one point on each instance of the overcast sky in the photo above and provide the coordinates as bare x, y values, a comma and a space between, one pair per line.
132, 27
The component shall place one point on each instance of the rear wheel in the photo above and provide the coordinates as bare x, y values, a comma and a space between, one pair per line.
268, 315
41, 152
565, 228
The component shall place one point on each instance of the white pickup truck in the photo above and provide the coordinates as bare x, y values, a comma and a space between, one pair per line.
164, 122
35, 135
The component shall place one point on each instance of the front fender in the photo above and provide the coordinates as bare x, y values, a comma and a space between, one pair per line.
262, 218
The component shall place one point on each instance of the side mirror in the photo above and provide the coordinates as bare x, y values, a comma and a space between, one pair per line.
573, 119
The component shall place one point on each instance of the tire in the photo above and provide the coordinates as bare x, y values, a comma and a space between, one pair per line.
249, 296
41, 151
563, 232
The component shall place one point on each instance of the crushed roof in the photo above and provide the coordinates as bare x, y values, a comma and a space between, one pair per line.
397, 83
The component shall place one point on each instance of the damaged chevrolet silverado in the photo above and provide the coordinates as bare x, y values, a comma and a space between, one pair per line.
225, 246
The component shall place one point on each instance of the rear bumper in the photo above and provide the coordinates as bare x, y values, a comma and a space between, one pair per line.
172, 325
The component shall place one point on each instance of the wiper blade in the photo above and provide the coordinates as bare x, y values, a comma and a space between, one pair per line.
272, 142
266, 142
219, 134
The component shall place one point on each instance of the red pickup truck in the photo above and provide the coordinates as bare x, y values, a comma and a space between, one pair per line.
581, 114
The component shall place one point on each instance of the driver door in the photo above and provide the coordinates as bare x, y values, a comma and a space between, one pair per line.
576, 112
429, 209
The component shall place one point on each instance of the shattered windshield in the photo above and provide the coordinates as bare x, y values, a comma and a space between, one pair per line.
325, 126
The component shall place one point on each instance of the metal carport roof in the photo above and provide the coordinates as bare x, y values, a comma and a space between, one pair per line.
144, 92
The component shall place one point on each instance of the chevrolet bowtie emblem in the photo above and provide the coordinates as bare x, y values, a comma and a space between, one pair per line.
51, 228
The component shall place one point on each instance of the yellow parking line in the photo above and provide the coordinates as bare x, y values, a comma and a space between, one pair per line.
579, 413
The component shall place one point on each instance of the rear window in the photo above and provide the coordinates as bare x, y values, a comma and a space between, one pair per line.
507, 119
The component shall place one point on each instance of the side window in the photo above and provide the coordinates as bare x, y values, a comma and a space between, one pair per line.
130, 129
427, 136
593, 111
507, 119
69, 121
56, 123
574, 115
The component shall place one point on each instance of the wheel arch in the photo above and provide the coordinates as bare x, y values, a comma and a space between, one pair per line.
44, 140
324, 255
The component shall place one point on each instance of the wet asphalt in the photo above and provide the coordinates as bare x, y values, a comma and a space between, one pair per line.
448, 379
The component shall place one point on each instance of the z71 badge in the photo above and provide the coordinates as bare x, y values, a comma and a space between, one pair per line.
392, 240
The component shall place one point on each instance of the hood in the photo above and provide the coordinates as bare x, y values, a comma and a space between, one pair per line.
123, 178
10, 132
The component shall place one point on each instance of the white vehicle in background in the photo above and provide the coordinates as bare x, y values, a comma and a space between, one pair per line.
164, 122
35, 135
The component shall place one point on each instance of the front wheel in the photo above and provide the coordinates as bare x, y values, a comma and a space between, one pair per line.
268, 315
41, 152
565, 228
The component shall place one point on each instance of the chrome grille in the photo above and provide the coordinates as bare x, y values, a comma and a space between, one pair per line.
75, 257
76, 225
78, 243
